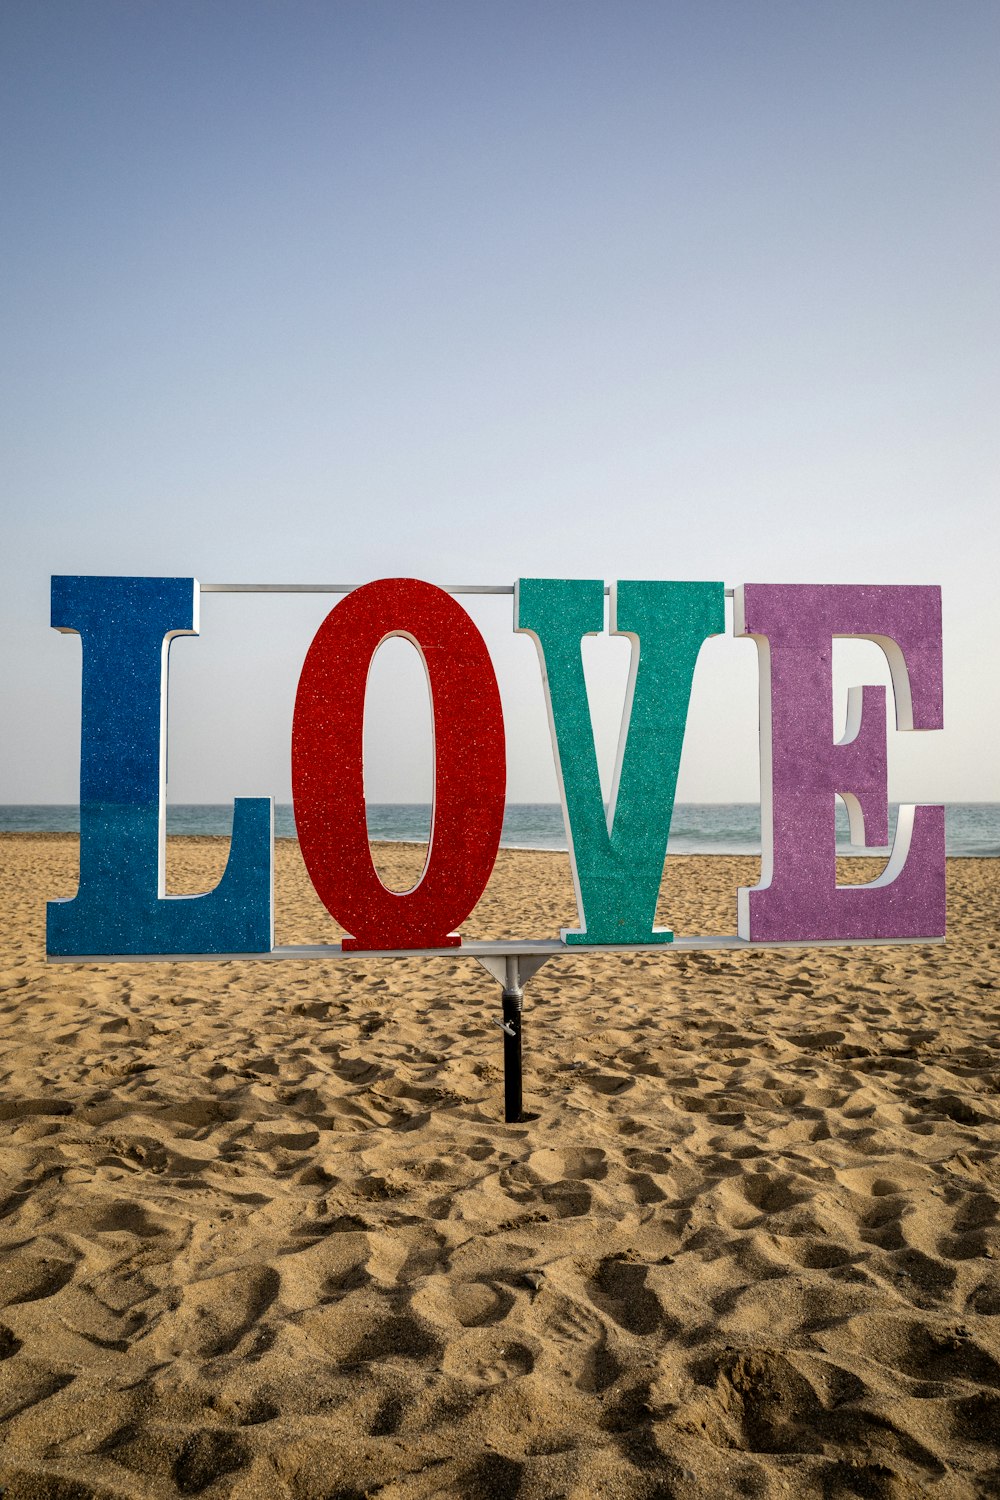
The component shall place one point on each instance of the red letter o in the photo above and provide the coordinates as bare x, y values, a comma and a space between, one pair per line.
328, 765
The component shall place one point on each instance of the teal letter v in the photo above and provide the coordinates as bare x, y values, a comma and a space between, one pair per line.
617, 855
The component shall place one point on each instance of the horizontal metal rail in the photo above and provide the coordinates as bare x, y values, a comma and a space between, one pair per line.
348, 588
498, 948
342, 588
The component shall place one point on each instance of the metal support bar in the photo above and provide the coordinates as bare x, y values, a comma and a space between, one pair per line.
512, 972
342, 588
512, 1001
348, 588
533, 952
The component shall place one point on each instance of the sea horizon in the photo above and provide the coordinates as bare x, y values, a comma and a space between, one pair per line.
972, 828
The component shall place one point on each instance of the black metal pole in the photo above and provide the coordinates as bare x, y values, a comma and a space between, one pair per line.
512, 1013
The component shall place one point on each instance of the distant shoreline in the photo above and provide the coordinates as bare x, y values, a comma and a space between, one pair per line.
712, 828
22, 836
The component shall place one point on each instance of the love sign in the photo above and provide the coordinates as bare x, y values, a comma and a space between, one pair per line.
617, 851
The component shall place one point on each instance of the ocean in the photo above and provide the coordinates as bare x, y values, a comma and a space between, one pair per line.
973, 828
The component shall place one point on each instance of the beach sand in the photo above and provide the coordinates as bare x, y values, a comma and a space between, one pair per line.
263, 1231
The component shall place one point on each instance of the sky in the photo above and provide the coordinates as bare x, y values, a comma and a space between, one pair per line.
468, 291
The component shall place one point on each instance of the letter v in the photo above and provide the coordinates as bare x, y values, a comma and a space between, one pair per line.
617, 855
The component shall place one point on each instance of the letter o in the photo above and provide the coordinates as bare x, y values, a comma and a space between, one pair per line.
328, 765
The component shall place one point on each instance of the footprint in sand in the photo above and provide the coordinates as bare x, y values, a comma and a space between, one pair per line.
566, 1200
369, 1325
216, 1313
573, 1162
655, 1162
84, 1312
32, 1384
578, 1341
9, 1342
207, 1456
618, 1287
813, 1253
478, 1304
26, 1278
487, 1356
975, 1214
770, 1193
940, 1354
976, 1419
643, 1189
985, 1300
471, 1304
759, 1403
22, 1109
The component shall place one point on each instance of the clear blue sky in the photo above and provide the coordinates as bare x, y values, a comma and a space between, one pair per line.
467, 291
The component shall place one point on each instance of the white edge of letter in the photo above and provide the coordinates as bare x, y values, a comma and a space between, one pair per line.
532, 635
766, 765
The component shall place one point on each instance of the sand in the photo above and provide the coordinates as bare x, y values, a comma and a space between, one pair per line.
263, 1231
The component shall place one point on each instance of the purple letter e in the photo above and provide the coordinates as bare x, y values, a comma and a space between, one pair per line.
801, 770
